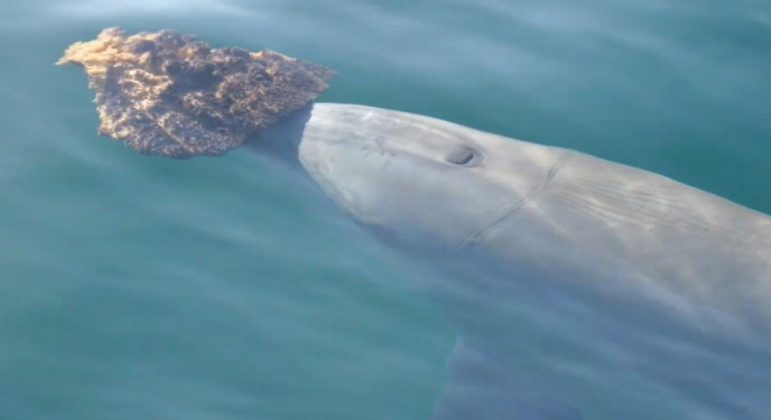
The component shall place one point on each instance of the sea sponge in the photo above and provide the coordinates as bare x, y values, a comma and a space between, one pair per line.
165, 93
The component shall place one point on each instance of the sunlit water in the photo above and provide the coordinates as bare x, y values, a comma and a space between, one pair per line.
135, 287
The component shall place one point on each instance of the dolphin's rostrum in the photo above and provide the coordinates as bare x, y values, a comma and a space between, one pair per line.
169, 94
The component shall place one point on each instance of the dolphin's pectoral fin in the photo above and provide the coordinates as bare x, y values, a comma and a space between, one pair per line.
478, 389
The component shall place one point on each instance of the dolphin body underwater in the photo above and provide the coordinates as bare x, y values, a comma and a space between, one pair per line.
579, 288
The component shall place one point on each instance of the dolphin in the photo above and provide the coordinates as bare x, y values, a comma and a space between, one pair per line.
666, 288
578, 287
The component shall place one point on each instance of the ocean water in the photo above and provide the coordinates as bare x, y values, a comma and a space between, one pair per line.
227, 288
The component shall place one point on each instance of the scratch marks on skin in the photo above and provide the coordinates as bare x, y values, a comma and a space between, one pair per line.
641, 206
380, 142
555, 169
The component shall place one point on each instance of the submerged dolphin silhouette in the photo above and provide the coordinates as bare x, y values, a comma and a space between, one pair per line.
660, 273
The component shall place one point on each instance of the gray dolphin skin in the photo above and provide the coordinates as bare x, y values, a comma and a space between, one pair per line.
519, 228
578, 287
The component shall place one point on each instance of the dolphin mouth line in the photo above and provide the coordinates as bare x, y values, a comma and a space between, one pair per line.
553, 171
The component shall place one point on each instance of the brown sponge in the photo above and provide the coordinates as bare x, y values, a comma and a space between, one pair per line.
164, 93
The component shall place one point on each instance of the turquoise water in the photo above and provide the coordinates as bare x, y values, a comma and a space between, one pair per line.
136, 287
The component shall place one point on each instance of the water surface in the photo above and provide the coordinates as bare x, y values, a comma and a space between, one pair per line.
135, 287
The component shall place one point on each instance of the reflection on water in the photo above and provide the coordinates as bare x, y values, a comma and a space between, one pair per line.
139, 287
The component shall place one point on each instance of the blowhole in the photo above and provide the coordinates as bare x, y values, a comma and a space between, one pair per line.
462, 156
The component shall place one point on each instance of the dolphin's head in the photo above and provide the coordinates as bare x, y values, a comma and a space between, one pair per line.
419, 178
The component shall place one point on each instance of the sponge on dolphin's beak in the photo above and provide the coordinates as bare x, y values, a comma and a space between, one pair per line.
169, 94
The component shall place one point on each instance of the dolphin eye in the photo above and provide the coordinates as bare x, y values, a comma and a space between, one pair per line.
461, 157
